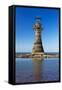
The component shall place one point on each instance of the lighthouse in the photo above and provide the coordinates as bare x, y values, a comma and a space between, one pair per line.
37, 27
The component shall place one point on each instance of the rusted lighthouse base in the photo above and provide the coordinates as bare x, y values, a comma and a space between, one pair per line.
38, 48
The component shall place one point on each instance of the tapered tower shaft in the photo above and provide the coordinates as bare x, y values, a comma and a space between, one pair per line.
37, 48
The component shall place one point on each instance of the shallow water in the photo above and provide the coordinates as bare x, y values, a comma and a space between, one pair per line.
36, 70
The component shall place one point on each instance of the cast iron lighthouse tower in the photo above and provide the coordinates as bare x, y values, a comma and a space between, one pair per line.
38, 47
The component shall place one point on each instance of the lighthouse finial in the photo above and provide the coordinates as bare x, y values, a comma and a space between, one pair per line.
38, 19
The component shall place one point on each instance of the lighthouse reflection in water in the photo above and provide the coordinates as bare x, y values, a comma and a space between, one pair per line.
37, 70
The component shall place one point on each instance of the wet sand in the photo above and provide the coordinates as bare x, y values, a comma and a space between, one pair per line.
39, 55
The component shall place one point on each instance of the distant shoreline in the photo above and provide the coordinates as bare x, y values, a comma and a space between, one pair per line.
38, 55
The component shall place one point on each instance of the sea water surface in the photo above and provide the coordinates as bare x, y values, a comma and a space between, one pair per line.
37, 70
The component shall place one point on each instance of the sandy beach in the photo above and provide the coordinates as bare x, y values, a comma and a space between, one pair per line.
38, 55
